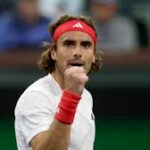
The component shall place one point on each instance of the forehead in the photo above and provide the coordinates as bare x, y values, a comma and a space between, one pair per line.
76, 36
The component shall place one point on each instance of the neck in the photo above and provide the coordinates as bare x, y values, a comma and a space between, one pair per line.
59, 78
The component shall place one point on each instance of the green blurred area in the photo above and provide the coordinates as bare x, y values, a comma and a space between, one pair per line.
122, 134
111, 134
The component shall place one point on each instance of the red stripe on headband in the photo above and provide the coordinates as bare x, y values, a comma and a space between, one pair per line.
74, 25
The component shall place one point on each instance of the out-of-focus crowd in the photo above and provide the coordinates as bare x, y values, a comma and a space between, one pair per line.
122, 26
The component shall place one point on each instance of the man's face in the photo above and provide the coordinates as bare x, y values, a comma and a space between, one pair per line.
74, 48
103, 12
28, 9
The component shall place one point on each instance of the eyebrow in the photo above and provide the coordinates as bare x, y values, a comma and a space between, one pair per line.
86, 42
68, 41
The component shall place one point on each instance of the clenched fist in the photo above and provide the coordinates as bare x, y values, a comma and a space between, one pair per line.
75, 79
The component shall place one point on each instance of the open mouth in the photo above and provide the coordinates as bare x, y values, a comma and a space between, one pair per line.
76, 63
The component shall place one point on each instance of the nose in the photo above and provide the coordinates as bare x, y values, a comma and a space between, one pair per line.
77, 52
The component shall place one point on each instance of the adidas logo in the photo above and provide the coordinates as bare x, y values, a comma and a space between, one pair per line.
77, 25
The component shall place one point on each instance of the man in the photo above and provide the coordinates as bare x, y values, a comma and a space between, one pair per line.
55, 112
117, 33
60, 7
23, 28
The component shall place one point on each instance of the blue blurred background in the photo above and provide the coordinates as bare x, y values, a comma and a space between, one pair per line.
120, 89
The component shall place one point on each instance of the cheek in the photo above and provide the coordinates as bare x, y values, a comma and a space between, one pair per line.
90, 57
62, 59
89, 61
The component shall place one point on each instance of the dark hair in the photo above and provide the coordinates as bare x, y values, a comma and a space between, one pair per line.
47, 64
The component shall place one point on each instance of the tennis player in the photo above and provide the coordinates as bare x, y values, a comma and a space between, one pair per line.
55, 112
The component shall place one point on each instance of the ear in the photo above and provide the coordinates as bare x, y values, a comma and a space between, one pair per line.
53, 55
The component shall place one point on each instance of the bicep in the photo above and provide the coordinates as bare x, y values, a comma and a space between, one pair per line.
37, 115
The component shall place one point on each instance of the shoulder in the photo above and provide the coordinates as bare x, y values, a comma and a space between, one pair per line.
38, 93
5, 22
5, 29
40, 86
123, 20
87, 97
87, 94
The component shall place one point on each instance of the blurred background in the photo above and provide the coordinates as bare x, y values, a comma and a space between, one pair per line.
120, 89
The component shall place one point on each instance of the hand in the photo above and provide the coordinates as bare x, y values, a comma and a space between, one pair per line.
75, 79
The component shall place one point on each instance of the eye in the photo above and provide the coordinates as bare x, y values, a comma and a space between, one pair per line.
86, 44
69, 43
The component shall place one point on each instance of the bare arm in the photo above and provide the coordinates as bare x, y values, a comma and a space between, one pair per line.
58, 135
56, 138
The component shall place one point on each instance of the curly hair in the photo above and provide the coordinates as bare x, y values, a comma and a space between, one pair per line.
47, 64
